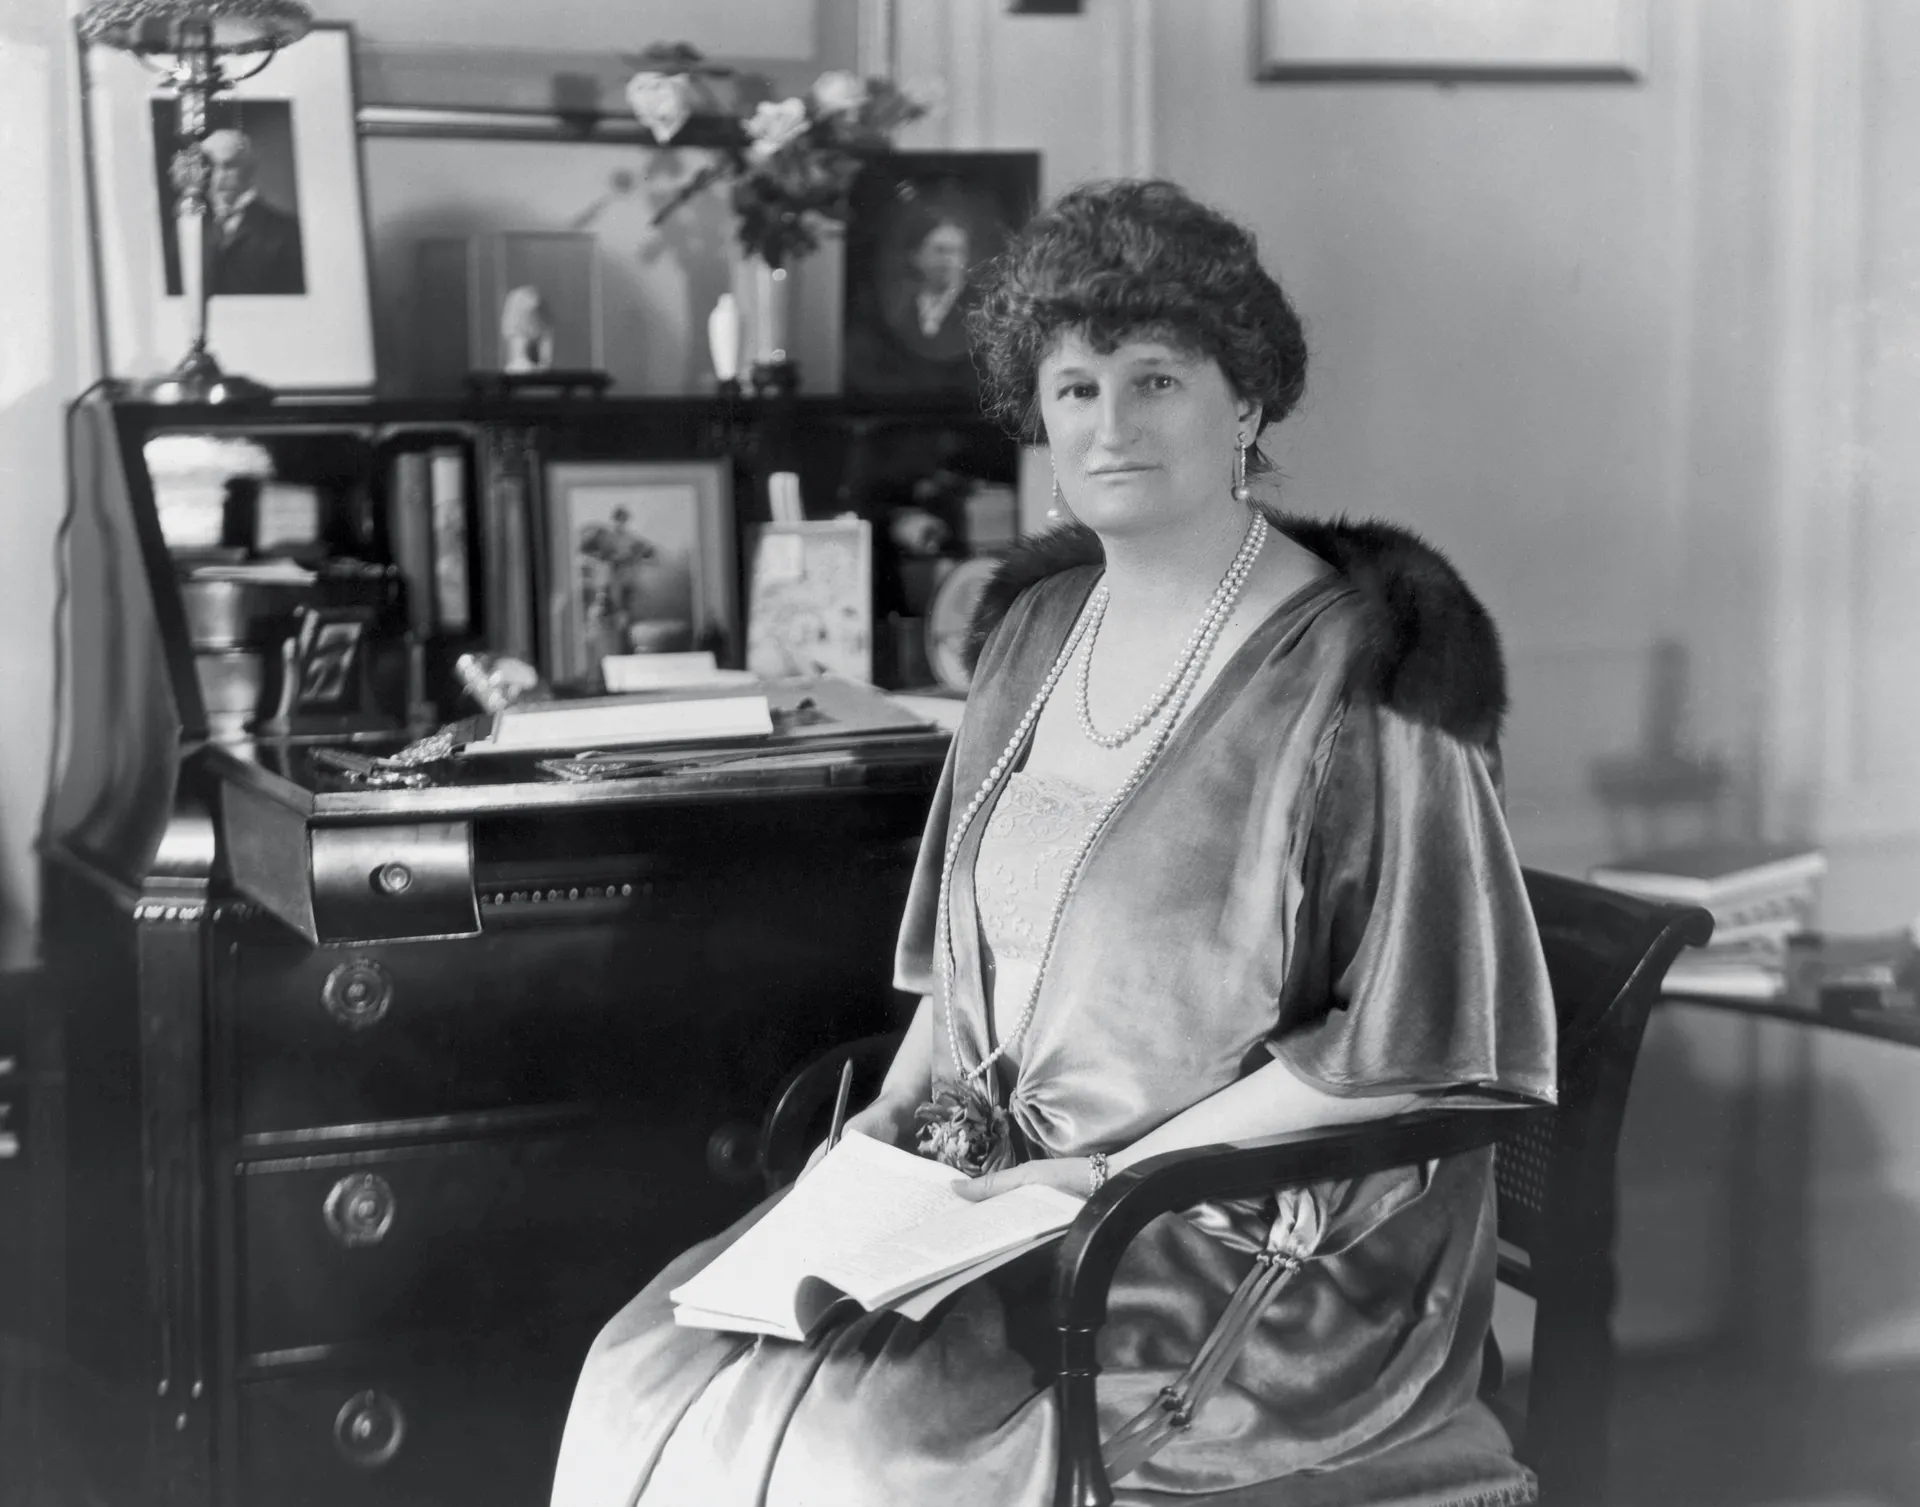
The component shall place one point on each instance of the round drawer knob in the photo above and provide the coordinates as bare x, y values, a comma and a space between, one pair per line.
358, 993
369, 1429
393, 878
359, 1209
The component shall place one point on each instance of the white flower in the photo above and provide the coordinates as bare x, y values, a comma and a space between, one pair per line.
773, 126
838, 92
661, 101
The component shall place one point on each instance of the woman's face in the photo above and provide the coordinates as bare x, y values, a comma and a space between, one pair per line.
1143, 437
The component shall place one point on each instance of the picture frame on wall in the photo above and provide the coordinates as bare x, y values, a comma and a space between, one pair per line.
1463, 40
639, 559
919, 227
290, 300
810, 599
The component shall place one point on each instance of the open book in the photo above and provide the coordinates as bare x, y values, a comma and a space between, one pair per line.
870, 1225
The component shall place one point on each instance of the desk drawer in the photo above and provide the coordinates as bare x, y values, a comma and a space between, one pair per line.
325, 1036
482, 1237
487, 1237
472, 1435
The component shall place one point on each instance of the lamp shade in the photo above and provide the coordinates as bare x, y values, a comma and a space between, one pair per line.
174, 26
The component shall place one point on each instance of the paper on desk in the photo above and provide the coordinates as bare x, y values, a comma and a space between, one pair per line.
651, 672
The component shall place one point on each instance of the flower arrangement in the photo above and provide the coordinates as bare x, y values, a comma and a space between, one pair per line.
790, 172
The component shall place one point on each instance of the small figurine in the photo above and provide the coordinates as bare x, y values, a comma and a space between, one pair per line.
526, 332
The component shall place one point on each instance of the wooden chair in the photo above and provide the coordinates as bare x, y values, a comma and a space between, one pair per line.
1606, 954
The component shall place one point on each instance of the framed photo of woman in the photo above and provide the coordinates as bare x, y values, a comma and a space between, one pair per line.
921, 225
640, 559
287, 240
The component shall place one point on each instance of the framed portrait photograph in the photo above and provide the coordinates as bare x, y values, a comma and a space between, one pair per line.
1465, 40
810, 599
639, 560
287, 243
921, 224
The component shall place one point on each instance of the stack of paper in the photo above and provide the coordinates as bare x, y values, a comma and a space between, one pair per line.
1760, 894
689, 714
871, 1226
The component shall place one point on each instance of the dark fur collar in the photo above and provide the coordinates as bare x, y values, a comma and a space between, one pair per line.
1430, 651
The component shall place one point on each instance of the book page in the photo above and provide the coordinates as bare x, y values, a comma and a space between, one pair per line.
922, 1301
874, 1222
861, 1193
952, 1235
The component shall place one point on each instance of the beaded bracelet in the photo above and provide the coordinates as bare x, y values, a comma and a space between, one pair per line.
1099, 1172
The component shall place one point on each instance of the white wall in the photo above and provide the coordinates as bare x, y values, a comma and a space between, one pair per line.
41, 367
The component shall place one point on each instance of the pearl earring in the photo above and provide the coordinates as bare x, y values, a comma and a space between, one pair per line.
1058, 511
1242, 493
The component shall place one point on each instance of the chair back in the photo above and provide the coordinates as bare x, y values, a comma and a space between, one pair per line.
1606, 956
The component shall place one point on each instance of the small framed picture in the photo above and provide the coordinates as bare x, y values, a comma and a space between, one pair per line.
287, 241
640, 559
1463, 40
810, 600
325, 683
919, 228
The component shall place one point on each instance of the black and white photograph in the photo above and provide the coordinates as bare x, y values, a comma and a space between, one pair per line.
254, 198
921, 226
960, 753
642, 561
283, 232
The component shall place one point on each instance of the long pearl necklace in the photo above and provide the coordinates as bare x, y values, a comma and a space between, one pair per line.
1218, 606
1182, 691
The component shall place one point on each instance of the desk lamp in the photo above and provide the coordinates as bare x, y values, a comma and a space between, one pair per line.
188, 43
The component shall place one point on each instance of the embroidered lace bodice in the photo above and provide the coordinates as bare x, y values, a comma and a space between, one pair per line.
1030, 838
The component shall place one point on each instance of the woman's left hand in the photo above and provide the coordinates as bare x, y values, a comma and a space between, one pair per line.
1070, 1174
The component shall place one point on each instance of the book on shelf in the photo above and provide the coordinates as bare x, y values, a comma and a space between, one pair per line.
447, 490
410, 534
1720, 876
873, 1227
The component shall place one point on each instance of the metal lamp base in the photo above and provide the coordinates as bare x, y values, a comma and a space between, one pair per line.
198, 379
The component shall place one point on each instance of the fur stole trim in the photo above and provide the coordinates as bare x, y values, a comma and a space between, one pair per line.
1428, 649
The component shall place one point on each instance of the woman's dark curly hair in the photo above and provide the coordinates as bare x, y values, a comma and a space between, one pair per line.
1126, 259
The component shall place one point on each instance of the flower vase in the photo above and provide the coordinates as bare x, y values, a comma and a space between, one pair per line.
763, 293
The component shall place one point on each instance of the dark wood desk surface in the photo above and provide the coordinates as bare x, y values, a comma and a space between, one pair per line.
1899, 1026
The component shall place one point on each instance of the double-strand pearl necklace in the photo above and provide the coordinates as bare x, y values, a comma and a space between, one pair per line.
943, 921
1207, 629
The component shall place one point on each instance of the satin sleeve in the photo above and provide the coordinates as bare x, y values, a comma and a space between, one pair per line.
1419, 965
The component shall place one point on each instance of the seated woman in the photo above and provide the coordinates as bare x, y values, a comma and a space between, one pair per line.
1218, 853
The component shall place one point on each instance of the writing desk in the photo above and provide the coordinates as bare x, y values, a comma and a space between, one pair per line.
1780, 1115
1899, 1026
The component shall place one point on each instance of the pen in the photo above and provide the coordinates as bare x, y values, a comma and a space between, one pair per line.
840, 1104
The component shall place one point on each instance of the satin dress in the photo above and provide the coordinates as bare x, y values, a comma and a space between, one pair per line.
1302, 875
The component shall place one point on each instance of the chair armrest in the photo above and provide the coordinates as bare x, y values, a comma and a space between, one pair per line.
808, 1090
1095, 1241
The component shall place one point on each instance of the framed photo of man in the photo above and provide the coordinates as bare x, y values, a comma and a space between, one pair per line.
255, 246
286, 241
921, 226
